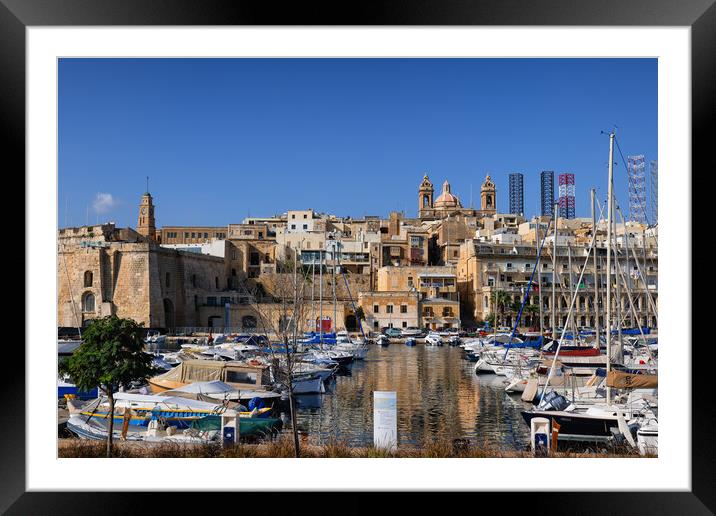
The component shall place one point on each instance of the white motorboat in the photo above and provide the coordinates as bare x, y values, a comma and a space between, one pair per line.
647, 437
433, 339
344, 343
308, 385
382, 341
155, 338
516, 384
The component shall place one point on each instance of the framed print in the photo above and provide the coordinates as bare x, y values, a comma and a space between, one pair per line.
415, 249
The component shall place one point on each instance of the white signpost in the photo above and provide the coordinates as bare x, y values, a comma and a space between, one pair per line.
385, 420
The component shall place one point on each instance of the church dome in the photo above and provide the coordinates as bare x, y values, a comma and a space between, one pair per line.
447, 199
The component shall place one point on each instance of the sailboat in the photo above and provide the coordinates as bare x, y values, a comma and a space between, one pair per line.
602, 416
156, 418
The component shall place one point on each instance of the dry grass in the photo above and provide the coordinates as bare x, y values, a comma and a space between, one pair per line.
282, 447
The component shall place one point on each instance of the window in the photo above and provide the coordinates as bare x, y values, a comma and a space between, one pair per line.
410, 281
167, 278
211, 301
293, 226
293, 216
216, 281
193, 235
88, 302
389, 309
375, 324
376, 309
403, 309
206, 235
305, 216
225, 300
241, 377
88, 279
305, 226
186, 235
193, 280
405, 324
261, 235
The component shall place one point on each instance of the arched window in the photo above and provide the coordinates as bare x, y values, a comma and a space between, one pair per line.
88, 278
88, 302
167, 279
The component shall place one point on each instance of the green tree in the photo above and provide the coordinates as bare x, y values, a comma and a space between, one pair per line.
111, 355
532, 310
500, 299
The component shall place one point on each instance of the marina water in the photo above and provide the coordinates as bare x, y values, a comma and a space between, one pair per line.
439, 397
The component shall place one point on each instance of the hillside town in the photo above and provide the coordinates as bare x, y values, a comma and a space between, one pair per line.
437, 271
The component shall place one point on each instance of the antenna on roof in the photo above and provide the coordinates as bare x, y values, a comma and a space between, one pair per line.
147, 190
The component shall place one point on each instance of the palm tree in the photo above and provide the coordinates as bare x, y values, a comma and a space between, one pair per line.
532, 310
499, 300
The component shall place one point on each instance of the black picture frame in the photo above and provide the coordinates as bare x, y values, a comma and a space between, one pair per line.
700, 15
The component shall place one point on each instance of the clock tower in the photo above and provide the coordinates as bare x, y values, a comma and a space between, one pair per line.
146, 225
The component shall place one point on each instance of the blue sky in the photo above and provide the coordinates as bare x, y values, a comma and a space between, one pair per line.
222, 139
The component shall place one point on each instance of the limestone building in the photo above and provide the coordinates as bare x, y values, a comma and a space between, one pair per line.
449, 204
484, 268
104, 270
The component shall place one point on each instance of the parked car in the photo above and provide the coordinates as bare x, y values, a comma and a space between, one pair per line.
411, 331
392, 332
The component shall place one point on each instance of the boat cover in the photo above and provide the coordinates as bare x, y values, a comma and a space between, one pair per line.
621, 380
212, 387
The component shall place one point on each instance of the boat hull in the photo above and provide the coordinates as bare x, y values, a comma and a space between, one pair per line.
574, 425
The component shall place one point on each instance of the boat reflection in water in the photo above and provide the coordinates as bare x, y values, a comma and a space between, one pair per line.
439, 396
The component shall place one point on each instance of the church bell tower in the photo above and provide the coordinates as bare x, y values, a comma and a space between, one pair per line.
146, 224
488, 201
425, 197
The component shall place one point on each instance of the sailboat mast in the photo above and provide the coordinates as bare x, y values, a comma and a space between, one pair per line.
539, 280
335, 301
596, 274
618, 296
320, 295
575, 333
610, 199
555, 216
